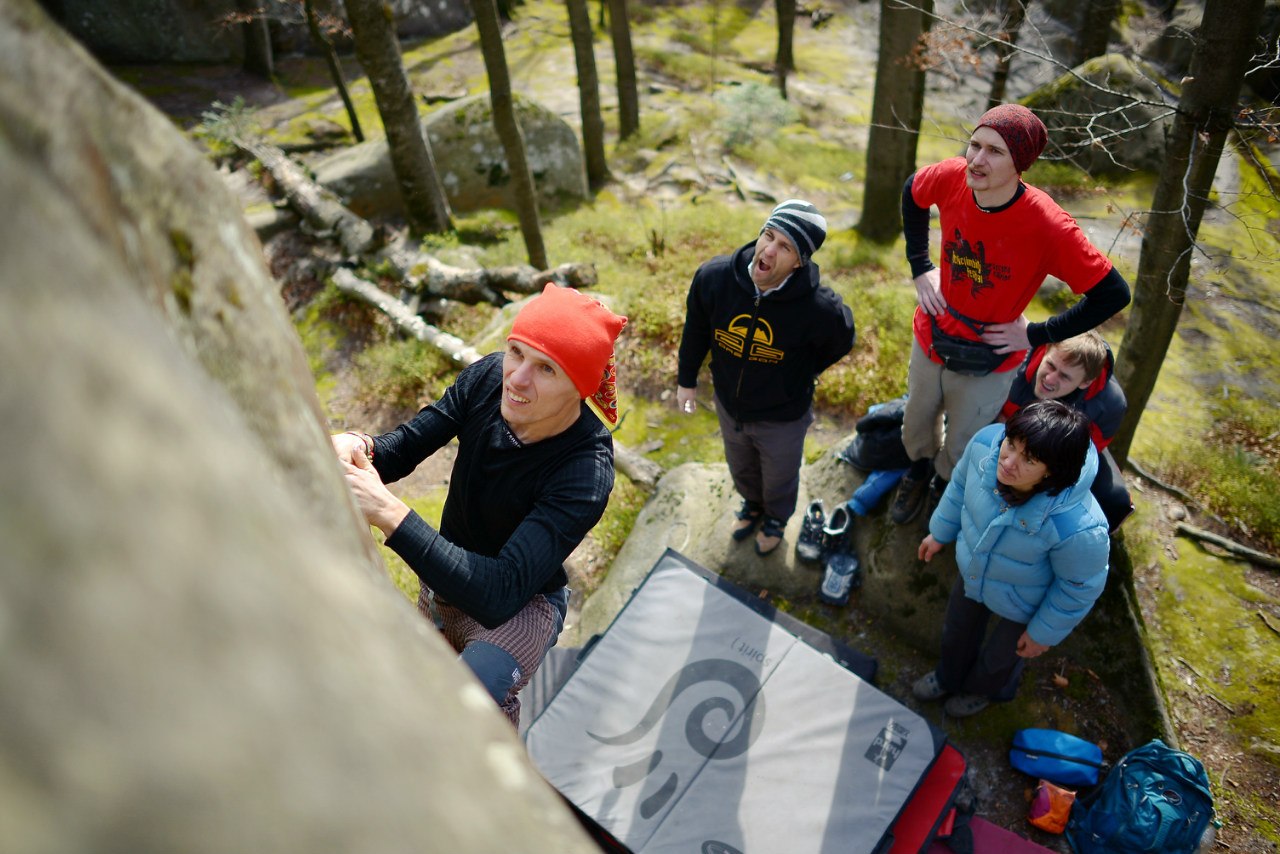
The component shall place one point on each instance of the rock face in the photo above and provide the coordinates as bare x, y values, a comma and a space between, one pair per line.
469, 159
201, 651
1100, 128
191, 30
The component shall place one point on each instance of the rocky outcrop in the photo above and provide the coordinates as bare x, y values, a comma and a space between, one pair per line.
201, 650
1108, 117
692, 512
132, 31
469, 159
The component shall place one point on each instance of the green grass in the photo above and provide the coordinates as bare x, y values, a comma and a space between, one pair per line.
402, 373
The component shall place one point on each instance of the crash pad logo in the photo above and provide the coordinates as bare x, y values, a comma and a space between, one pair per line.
970, 263
747, 710
713, 847
734, 339
888, 745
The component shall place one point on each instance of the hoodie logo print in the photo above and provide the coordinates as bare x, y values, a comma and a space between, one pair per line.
734, 340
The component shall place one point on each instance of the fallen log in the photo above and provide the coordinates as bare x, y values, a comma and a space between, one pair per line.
1252, 555
423, 273
430, 276
320, 208
404, 319
641, 471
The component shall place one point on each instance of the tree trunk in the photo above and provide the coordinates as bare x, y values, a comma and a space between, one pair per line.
258, 58
588, 93
1015, 13
508, 129
335, 70
785, 62
625, 62
895, 119
378, 51
1224, 44
1095, 29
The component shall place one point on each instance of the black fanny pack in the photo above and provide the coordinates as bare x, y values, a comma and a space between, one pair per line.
963, 355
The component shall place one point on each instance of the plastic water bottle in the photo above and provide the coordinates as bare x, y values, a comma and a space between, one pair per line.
868, 495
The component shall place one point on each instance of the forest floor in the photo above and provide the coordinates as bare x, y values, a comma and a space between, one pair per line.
1246, 782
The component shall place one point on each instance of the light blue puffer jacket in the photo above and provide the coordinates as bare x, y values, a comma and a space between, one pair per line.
1043, 563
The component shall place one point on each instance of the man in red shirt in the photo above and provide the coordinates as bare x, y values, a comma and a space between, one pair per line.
1001, 239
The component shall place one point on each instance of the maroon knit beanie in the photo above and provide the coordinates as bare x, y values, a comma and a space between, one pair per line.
1020, 129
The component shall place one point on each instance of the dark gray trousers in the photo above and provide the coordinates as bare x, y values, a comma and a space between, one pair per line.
969, 665
764, 459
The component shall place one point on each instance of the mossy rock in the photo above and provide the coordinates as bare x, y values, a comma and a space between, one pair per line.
1111, 130
469, 159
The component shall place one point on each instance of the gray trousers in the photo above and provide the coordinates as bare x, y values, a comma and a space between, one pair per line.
764, 459
970, 403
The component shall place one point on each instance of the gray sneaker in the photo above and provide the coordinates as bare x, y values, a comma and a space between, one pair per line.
964, 705
928, 688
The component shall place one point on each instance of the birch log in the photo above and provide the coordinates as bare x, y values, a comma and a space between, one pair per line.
321, 209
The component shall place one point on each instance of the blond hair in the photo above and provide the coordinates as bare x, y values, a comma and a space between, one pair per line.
1087, 351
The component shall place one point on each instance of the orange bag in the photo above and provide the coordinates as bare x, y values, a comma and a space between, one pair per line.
1050, 807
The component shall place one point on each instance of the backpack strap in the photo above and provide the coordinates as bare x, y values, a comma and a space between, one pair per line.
1170, 816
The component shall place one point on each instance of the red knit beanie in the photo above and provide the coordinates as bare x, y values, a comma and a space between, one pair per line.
1020, 129
577, 332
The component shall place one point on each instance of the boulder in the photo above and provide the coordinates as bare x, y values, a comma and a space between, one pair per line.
202, 651
1100, 128
181, 31
1171, 50
469, 159
692, 511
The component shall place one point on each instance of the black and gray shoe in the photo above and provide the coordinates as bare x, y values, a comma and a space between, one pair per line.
812, 541
842, 572
910, 497
746, 520
937, 486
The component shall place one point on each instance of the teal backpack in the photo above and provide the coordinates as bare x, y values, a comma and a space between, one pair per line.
1154, 799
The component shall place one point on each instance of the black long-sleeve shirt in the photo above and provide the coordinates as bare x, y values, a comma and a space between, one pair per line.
514, 512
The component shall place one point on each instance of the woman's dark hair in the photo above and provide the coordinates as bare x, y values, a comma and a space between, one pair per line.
1056, 435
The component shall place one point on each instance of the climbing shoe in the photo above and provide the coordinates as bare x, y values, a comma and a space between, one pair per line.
812, 541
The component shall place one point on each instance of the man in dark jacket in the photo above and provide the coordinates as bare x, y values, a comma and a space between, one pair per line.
532, 476
1080, 372
771, 328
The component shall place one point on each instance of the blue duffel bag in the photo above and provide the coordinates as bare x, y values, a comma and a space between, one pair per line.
1055, 756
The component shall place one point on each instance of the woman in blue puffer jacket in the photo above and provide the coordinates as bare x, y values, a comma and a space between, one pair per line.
1031, 547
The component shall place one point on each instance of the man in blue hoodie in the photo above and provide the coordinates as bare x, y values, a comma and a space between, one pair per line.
1031, 549
771, 328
